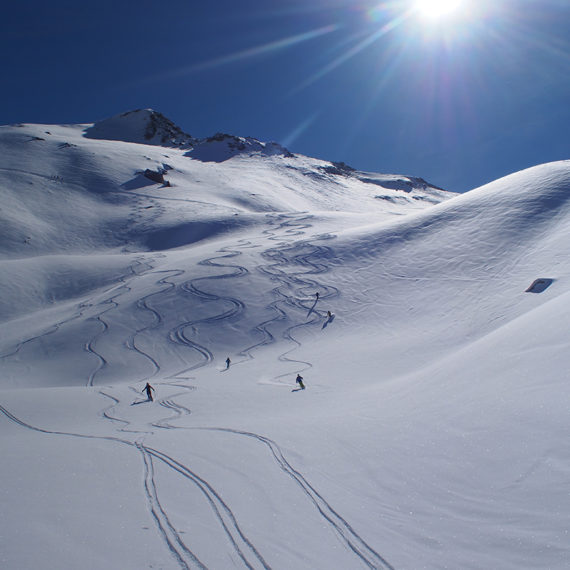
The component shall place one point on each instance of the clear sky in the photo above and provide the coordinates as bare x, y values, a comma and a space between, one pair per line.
459, 98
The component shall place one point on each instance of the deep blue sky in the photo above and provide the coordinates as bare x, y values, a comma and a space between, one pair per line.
460, 103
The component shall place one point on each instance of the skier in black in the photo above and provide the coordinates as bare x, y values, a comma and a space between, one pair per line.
228, 362
149, 390
299, 381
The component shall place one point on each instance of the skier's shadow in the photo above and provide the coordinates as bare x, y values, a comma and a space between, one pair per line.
297, 390
326, 323
137, 402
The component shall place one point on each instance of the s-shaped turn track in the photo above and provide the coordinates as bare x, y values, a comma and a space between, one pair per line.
294, 265
292, 293
180, 335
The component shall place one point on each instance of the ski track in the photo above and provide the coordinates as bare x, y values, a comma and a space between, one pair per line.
280, 314
267, 336
81, 309
106, 413
171, 404
345, 531
90, 345
184, 556
179, 335
292, 293
239, 542
143, 304
295, 286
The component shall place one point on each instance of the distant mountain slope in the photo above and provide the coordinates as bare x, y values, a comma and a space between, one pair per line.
63, 192
89, 231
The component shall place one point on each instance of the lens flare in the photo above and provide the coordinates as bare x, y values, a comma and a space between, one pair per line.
435, 9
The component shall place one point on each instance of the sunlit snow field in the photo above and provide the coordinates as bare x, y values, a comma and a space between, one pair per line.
433, 431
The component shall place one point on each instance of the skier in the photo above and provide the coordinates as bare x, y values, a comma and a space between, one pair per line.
149, 390
329, 315
317, 295
299, 381
228, 362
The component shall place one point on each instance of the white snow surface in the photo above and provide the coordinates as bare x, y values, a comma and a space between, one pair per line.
433, 430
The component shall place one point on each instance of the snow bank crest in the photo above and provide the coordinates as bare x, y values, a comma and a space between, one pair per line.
143, 126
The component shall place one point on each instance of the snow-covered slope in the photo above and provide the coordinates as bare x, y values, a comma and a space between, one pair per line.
432, 433
143, 126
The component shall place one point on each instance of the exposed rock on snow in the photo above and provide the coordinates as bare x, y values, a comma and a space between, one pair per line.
338, 168
539, 285
155, 176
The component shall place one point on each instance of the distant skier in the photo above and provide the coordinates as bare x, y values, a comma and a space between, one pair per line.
329, 315
228, 362
149, 390
317, 295
299, 381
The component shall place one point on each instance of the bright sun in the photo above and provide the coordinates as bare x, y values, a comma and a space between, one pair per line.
436, 9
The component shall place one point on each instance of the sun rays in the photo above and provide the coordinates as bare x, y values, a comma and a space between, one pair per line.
368, 41
437, 54
437, 9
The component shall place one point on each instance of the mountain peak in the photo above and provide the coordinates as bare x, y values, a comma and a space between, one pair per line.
143, 126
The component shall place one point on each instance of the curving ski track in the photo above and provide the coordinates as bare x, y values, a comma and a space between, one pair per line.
244, 548
179, 334
345, 531
143, 304
292, 292
184, 556
295, 286
241, 544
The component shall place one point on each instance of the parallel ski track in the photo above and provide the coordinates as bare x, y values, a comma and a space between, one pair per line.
143, 304
295, 286
179, 333
179, 411
184, 556
263, 328
90, 345
348, 535
250, 556
241, 545
299, 283
293, 225
82, 307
